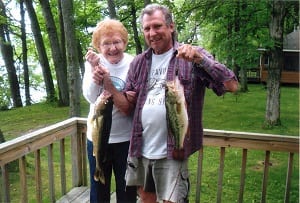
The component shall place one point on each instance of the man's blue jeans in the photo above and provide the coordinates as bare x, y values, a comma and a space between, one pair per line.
116, 162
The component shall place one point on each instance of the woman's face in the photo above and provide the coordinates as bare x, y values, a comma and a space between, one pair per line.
112, 47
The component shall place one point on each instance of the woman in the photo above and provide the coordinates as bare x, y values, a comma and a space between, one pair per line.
110, 39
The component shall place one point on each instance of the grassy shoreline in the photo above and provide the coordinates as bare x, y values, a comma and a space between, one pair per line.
235, 112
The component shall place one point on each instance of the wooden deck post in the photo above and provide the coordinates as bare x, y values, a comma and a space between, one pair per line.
76, 166
78, 150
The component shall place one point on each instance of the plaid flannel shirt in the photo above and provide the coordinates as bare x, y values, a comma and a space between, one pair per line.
194, 77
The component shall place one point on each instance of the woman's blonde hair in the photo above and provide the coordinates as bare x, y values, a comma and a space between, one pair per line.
108, 27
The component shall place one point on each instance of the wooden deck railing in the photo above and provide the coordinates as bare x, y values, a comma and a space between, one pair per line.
64, 146
72, 131
248, 141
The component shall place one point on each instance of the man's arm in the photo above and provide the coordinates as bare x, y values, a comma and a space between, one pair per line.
191, 54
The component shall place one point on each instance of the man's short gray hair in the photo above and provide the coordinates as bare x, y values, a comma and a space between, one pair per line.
150, 8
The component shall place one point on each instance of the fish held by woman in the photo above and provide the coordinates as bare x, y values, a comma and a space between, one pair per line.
100, 123
177, 116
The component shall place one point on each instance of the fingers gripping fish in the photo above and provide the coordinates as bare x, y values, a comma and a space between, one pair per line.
177, 117
100, 123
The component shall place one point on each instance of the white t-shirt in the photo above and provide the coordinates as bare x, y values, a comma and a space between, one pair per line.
154, 111
121, 124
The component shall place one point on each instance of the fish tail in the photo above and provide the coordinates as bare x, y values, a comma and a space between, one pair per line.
99, 176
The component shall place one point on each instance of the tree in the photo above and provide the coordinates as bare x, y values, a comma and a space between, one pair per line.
8, 57
272, 115
57, 54
111, 9
138, 46
35, 27
24, 55
72, 57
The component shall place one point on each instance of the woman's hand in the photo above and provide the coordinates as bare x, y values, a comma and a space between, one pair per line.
98, 70
98, 73
92, 57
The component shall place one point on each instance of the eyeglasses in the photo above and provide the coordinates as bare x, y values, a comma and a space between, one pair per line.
116, 44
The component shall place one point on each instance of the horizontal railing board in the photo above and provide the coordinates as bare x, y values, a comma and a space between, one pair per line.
256, 141
250, 135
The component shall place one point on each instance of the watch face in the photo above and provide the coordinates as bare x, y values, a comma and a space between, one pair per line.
118, 83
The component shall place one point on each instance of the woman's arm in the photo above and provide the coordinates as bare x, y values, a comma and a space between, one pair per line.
124, 101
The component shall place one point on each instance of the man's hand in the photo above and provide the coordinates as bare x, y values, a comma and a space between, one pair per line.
189, 53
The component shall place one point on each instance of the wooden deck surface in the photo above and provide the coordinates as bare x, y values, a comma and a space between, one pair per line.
80, 195
76, 195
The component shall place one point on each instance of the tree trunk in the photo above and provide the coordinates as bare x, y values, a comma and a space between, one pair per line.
138, 46
35, 27
146, 2
80, 59
8, 57
62, 36
24, 55
2, 139
272, 115
57, 55
111, 9
238, 21
72, 57
243, 80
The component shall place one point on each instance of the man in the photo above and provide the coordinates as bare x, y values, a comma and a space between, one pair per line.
152, 166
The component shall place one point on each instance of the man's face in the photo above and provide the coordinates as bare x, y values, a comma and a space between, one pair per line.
157, 33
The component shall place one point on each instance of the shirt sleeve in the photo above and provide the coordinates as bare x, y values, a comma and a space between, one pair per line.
217, 73
90, 90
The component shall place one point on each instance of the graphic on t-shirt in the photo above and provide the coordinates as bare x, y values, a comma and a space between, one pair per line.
118, 83
156, 86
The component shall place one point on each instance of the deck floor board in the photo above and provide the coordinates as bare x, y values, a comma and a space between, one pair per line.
80, 195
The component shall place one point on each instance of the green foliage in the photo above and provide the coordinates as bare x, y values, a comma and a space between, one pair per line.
87, 15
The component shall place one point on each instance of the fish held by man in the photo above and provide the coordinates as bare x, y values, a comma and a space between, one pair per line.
100, 123
177, 116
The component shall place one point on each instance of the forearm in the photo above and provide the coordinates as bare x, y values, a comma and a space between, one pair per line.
125, 102
218, 72
90, 89
91, 92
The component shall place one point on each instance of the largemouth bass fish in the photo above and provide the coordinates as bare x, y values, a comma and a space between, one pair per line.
177, 117
100, 124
